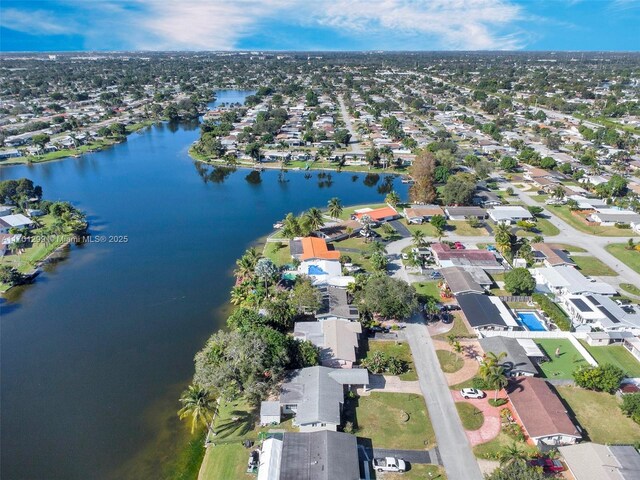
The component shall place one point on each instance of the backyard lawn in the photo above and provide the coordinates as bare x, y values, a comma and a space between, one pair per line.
616, 355
599, 414
471, 417
430, 289
589, 265
400, 350
223, 462
631, 258
575, 221
561, 367
450, 362
279, 253
461, 227
392, 420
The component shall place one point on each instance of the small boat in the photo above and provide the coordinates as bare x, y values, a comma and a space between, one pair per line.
278, 225
407, 180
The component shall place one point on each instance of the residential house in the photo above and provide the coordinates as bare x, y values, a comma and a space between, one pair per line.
335, 304
339, 231
608, 217
509, 214
17, 220
315, 395
541, 413
422, 213
312, 248
567, 280
445, 256
8, 239
486, 198
377, 215
516, 363
485, 312
550, 255
588, 312
270, 412
323, 455
465, 213
460, 281
337, 339
593, 461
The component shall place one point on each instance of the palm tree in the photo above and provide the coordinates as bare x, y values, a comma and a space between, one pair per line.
314, 218
512, 453
198, 403
335, 207
503, 238
457, 347
417, 237
392, 198
558, 192
496, 379
377, 247
244, 267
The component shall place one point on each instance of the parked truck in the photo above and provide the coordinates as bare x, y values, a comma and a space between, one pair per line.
389, 464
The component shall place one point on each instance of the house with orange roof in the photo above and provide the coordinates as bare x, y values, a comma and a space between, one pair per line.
377, 215
312, 248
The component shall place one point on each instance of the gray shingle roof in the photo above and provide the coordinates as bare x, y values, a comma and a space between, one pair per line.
320, 455
516, 359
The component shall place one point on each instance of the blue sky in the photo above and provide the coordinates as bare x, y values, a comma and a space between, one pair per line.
55, 25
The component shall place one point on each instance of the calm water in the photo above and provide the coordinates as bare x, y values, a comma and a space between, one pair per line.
96, 352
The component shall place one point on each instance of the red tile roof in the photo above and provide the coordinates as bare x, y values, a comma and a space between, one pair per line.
313, 247
379, 213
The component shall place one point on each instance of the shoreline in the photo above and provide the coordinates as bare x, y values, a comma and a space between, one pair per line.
281, 166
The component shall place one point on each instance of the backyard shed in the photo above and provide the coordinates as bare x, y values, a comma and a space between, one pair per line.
269, 412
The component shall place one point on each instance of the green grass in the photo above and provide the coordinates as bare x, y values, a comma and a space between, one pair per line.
543, 227
630, 258
565, 214
617, 355
428, 229
450, 362
381, 418
490, 450
428, 289
353, 242
461, 227
471, 417
400, 350
279, 253
348, 211
600, 415
561, 367
459, 329
223, 462
568, 248
539, 198
589, 265
629, 288
187, 462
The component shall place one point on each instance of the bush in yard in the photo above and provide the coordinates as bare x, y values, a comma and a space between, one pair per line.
631, 406
603, 378
380, 362
519, 282
498, 402
389, 297
479, 383
517, 470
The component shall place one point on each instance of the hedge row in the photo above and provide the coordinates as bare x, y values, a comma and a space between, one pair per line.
552, 310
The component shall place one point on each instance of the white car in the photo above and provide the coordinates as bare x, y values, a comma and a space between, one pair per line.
471, 393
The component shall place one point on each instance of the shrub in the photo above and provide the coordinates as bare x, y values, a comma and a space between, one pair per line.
631, 406
603, 378
497, 402
479, 383
515, 431
552, 310
380, 362
519, 281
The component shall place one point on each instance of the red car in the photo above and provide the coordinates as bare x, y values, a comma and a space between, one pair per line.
548, 465
458, 246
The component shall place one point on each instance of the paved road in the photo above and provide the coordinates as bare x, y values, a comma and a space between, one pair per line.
455, 450
353, 143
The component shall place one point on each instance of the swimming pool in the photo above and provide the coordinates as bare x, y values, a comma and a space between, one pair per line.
531, 321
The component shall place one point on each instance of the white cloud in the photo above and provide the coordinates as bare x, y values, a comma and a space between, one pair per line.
35, 22
221, 25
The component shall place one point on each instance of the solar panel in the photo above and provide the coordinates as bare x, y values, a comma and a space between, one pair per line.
580, 304
608, 314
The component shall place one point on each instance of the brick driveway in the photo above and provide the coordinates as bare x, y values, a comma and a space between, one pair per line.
491, 426
470, 367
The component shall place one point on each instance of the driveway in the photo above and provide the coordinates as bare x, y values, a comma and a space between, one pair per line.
412, 456
491, 426
391, 384
402, 230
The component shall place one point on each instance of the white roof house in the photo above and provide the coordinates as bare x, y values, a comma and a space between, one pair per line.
600, 312
567, 280
270, 459
14, 221
509, 214
593, 461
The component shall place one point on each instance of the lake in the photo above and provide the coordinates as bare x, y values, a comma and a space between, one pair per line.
96, 352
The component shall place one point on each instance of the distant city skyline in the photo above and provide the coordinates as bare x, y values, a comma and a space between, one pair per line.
76, 25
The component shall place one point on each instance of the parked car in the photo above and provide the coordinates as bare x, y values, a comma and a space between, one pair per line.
491, 248
435, 275
450, 308
446, 318
378, 329
548, 465
458, 246
471, 393
389, 464
405, 256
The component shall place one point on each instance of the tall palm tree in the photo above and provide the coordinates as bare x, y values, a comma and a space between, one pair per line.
377, 247
200, 405
392, 198
512, 453
314, 218
496, 379
503, 238
244, 268
417, 237
335, 207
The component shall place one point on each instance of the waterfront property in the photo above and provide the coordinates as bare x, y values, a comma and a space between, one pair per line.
337, 340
